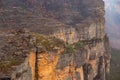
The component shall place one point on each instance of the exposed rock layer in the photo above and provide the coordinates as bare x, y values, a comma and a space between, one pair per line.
76, 46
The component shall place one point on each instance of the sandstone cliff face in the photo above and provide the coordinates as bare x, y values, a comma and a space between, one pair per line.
89, 61
71, 43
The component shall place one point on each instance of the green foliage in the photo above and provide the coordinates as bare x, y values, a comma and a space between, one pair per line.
6, 66
115, 65
69, 48
79, 44
49, 43
15, 62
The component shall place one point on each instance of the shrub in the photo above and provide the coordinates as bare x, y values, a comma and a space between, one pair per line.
49, 43
69, 48
79, 44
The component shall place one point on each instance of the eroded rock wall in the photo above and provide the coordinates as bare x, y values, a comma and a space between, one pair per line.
76, 46
89, 63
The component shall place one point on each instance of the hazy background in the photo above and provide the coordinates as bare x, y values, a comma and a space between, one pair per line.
113, 29
113, 22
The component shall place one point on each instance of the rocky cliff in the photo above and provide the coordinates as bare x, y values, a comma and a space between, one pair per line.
66, 41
